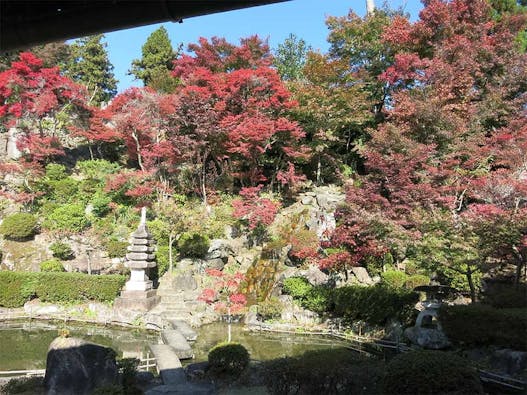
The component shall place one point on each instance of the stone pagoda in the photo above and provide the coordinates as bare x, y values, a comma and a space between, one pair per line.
138, 293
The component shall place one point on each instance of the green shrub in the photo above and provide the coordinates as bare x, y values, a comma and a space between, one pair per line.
61, 250
68, 218
416, 280
271, 308
331, 371
431, 372
23, 385
507, 296
162, 259
97, 168
116, 248
18, 287
478, 324
318, 299
376, 305
51, 265
297, 287
64, 190
19, 226
55, 172
394, 278
100, 203
193, 245
228, 358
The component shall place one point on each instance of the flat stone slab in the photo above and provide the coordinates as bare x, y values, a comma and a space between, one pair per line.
185, 329
180, 389
168, 364
177, 341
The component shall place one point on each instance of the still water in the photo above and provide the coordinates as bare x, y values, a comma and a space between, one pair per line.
24, 345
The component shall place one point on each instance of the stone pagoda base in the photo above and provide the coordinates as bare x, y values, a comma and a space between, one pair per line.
137, 300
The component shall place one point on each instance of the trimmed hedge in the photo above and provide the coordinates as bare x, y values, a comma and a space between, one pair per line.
431, 372
478, 324
331, 371
16, 288
376, 305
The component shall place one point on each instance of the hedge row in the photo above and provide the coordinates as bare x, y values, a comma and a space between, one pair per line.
376, 305
481, 324
16, 288
331, 371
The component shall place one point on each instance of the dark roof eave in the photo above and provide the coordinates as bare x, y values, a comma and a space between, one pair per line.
27, 23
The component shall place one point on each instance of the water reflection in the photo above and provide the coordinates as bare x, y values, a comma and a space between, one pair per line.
24, 345
261, 345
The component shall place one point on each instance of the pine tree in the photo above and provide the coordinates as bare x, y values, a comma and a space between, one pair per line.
156, 62
90, 66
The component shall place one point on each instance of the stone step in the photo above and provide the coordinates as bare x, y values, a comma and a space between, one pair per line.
177, 341
175, 307
185, 329
168, 364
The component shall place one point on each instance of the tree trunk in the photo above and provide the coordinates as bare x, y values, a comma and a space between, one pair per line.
470, 280
170, 243
319, 170
138, 151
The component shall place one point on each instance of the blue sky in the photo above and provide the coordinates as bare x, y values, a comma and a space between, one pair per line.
304, 18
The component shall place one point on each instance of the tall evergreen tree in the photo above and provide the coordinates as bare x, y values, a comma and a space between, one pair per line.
156, 62
290, 58
90, 66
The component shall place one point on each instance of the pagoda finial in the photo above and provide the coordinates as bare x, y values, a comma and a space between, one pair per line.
143, 216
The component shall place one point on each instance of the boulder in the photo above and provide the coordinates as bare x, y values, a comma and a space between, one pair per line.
361, 274
509, 361
429, 338
77, 367
219, 248
184, 282
215, 263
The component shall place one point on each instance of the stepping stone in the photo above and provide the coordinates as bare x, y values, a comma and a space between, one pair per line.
185, 329
168, 364
177, 341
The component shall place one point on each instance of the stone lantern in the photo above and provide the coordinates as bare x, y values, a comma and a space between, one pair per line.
138, 293
427, 331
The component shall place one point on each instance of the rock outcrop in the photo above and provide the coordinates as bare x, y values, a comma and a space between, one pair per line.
77, 367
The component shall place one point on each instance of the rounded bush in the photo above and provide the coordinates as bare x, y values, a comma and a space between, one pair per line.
69, 218
61, 250
228, 358
431, 372
19, 226
394, 278
297, 287
271, 308
51, 265
416, 280
116, 248
193, 245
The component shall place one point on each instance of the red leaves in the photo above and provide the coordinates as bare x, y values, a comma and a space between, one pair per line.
254, 208
224, 292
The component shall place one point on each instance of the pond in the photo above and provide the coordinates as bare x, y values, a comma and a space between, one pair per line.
262, 346
24, 345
